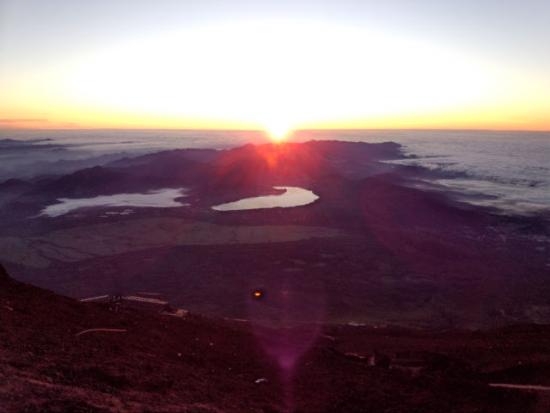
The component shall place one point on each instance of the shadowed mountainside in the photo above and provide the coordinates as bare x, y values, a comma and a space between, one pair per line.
153, 362
383, 243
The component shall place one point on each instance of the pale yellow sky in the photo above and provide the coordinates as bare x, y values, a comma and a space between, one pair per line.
271, 71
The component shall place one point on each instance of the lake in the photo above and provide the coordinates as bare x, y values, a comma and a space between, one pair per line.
159, 198
292, 197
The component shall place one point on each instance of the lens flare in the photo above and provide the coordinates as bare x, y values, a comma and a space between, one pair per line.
278, 131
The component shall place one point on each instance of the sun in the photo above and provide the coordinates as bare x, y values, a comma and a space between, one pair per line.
278, 131
284, 75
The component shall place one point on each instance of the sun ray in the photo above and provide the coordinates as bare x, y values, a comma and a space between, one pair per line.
278, 131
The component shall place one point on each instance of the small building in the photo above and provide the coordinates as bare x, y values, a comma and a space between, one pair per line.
376, 359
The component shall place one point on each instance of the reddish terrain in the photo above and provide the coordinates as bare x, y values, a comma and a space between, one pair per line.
397, 250
386, 294
196, 364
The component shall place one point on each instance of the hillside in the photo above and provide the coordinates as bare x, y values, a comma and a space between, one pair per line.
195, 364
382, 243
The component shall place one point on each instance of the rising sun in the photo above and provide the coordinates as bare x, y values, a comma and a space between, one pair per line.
278, 131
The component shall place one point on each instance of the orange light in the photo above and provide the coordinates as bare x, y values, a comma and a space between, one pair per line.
257, 294
278, 131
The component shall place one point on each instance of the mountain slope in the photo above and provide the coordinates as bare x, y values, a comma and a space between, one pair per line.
156, 363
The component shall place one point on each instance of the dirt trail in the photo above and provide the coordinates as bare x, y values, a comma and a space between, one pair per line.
532, 387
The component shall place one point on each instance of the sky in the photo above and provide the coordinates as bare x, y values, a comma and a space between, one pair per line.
275, 65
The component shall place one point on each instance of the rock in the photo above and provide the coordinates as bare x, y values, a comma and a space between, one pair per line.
3, 273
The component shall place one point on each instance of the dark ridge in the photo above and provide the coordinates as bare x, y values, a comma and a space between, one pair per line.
14, 184
160, 363
3, 273
85, 181
176, 155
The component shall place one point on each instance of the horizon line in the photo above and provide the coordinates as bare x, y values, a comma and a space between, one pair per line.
8, 129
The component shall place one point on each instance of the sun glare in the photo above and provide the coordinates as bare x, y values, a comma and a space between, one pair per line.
301, 77
278, 131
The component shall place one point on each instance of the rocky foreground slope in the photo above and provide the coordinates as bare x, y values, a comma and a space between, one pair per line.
148, 362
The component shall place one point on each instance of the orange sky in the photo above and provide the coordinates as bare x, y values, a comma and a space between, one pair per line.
265, 72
